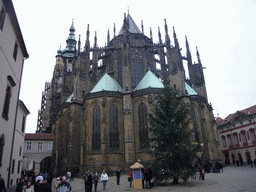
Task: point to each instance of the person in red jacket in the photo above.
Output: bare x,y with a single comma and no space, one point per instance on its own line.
131,176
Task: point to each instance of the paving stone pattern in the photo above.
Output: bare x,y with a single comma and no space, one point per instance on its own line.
238,179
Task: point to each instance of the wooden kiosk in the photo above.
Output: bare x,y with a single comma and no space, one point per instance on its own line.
137,175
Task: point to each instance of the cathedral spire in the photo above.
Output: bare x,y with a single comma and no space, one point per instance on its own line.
176,43
71,41
142,28
159,36
198,56
79,44
114,29
189,58
87,42
167,39
95,40
151,36
108,38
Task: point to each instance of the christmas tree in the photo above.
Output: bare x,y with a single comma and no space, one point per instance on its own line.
174,154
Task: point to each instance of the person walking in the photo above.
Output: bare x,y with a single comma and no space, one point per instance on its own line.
57,182
64,186
118,174
20,185
147,178
28,187
2,184
104,179
85,178
95,180
69,176
131,177
45,186
90,182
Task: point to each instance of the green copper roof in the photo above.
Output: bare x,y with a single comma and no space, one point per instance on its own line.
70,97
133,28
149,80
190,90
106,83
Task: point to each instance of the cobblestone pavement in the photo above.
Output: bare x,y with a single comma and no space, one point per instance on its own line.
239,179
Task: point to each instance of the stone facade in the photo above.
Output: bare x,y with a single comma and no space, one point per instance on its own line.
237,136
99,99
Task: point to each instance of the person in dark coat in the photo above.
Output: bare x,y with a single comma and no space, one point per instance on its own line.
95,180
147,178
90,181
20,185
37,186
2,184
45,186
118,174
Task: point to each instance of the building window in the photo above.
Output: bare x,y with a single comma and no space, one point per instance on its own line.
229,140
113,127
2,17
244,139
235,138
96,130
224,143
29,145
18,169
23,124
15,51
50,145
20,151
13,165
39,145
7,100
143,125
196,135
252,131
2,142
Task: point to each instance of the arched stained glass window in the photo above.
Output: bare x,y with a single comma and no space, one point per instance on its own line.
143,125
113,127
96,130
196,134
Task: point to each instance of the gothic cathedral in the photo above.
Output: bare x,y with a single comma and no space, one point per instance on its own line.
98,100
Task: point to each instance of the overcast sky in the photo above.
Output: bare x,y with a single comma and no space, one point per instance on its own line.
223,31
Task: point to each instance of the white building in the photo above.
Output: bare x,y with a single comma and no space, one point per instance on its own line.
38,152
237,136
12,55
18,146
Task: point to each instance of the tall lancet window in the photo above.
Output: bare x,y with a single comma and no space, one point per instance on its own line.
143,125
195,130
113,127
96,130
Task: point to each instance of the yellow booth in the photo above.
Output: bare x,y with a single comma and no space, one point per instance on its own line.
137,175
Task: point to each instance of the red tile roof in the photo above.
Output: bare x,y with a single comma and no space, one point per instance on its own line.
218,120
38,136
248,111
